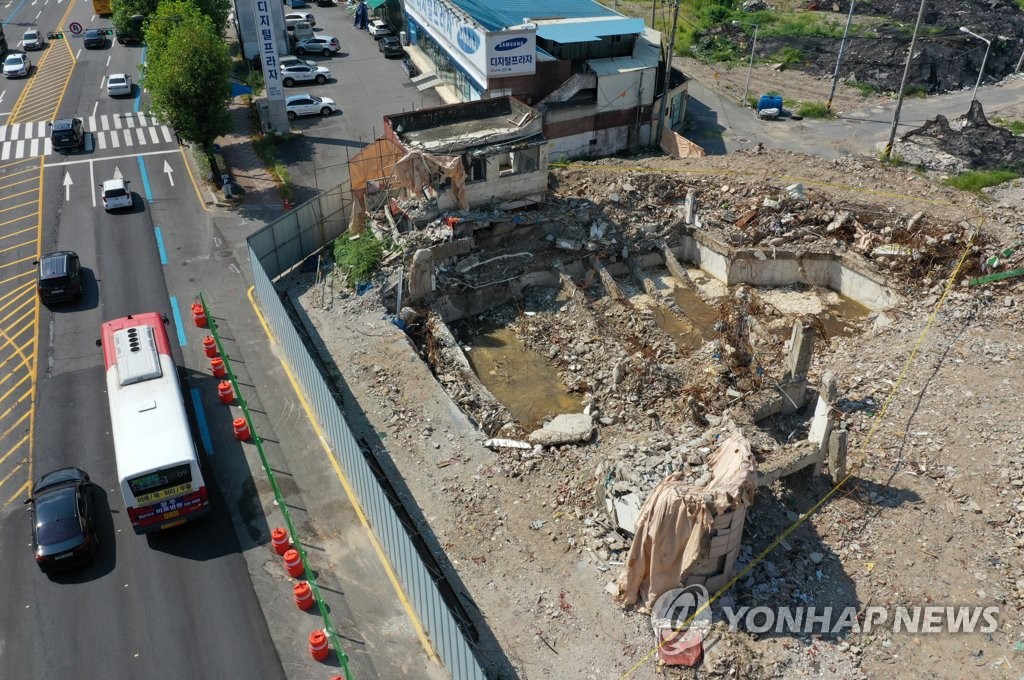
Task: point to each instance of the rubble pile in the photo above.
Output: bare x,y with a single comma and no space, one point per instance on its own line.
966,143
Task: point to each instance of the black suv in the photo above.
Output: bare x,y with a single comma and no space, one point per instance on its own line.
60,277
67,134
391,46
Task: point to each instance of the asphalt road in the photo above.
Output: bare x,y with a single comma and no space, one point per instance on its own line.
177,604
720,125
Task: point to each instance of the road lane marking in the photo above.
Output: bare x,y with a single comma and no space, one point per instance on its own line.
160,245
6,152
92,182
145,180
113,158
19,148
182,340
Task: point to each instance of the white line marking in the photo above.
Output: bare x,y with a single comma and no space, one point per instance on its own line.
39,12
92,120
67,186
163,128
153,135
114,141
41,130
3,133
128,138
15,129
92,182
33,148
108,61
103,122
78,54
101,139
103,81
47,146
141,132
19,148
112,158
117,122
130,120
6,152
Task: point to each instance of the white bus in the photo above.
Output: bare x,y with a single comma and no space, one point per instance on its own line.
157,464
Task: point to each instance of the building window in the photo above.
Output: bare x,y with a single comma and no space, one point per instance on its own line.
477,170
518,162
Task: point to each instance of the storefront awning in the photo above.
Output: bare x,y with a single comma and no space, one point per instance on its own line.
374,4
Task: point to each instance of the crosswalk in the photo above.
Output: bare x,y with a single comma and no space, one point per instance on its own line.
108,131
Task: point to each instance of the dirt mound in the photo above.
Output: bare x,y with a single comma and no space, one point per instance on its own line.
944,58
970,143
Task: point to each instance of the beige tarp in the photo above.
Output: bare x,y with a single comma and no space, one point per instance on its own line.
374,162
677,146
673,531
416,168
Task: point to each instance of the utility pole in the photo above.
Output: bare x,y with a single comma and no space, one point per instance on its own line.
668,73
839,59
903,86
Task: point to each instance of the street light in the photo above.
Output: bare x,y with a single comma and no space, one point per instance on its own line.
981,71
750,66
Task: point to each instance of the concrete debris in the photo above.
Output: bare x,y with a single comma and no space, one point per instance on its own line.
507,444
565,428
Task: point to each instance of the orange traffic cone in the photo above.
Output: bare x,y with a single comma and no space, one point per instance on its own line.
279,539
293,563
241,429
224,391
318,645
303,595
198,315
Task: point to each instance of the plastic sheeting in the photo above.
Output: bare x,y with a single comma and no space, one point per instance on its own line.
673,531
417,168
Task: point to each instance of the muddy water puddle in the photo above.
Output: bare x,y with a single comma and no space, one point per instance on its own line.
519,377
842,317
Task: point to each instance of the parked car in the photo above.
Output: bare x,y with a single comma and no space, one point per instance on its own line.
308,105
391,46
117,193
63,519
119,84
322,44
325,3
289,60
17,65
59,277
304,73
301,31
67,134
32,40
94,39
293,18
378,28
295,4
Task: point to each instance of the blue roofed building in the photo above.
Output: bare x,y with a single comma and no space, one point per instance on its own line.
593,74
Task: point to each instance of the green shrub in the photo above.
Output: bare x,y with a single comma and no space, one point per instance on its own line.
358,256
202,163
816,110
977,180
915,90
788,56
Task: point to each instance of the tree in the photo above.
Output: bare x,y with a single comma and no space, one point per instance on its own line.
125,10
187,72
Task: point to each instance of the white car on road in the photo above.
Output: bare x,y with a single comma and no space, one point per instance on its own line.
117,193
304,73
308,105
119,84
16,65
32,40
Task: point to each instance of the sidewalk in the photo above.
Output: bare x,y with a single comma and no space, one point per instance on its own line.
372,620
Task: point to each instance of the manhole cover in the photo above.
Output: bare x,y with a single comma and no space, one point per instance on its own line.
742,140
223,255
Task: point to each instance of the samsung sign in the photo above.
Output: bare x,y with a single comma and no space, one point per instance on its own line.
483,55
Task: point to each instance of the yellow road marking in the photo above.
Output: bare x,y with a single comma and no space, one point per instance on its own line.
23,489
417,626
20,231
9,431
20,205
16,276
195,185
15,291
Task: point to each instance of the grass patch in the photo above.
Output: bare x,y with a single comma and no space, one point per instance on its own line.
1014,126
266,149
816,110
916,91
788,56
202,163
977,180
865,89
894,159
358,256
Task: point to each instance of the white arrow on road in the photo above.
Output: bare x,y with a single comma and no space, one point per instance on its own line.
169,171
117,173
67,186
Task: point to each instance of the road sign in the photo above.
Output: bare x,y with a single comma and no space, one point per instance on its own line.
75,28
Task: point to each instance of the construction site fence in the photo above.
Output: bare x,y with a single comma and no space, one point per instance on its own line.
274,250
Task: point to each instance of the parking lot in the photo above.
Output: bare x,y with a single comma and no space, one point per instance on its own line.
364,85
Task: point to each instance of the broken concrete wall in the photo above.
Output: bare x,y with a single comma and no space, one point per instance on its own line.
498,187
690,534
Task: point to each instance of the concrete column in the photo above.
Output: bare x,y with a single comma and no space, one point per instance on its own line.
690,206
609,282
421,275
801,351
837,445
